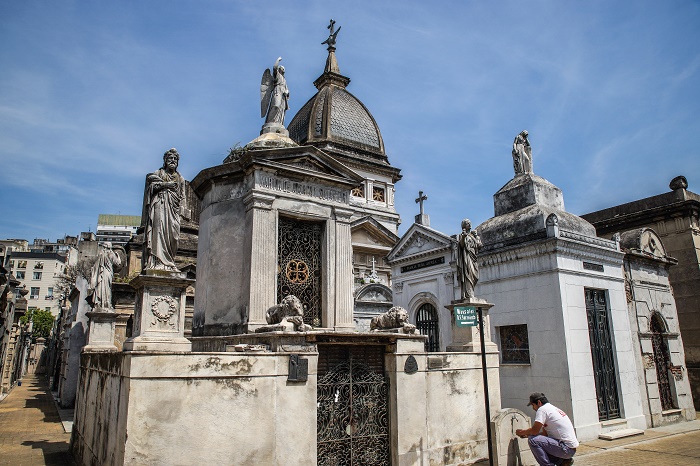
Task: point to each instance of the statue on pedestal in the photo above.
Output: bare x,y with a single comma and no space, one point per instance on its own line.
468,268
274,95
163,203
101,276
522,154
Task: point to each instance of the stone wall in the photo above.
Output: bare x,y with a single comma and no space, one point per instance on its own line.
239,407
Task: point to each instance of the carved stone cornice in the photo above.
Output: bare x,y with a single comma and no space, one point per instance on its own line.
562,246
258,200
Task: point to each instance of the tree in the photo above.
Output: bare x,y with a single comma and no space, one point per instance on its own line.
43,322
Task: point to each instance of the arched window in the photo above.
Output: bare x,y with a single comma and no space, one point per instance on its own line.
427,324
662,361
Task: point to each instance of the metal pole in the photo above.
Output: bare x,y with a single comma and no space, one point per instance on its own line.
486,385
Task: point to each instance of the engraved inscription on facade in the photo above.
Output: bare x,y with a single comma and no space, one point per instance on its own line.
273,183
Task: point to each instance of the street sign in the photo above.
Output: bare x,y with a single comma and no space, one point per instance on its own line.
465,316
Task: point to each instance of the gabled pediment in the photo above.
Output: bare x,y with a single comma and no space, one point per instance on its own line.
419,240
368,232
304,161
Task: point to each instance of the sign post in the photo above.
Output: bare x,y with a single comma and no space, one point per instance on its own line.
470,316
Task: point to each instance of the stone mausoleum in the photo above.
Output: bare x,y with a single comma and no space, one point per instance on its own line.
305,212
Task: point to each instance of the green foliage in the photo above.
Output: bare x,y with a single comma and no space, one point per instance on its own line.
43,322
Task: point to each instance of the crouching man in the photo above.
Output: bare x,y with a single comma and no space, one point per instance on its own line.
552,438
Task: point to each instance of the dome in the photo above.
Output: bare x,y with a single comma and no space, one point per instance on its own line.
336,116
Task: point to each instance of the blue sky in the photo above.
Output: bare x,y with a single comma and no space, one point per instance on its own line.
93,93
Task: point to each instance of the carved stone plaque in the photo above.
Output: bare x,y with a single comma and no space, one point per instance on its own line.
298,369
411,365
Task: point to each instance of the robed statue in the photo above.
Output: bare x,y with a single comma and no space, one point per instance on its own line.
522,154
468,268
163,204
274,94
101,276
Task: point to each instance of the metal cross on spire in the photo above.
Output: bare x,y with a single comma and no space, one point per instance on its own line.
421,198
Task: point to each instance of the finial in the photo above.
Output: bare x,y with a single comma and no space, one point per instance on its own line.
331,62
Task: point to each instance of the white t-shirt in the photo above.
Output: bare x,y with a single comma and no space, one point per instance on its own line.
557,424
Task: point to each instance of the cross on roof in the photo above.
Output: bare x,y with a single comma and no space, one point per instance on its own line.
420,200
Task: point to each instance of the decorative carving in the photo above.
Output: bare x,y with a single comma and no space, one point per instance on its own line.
679,182
289,311
522,154
396,317
398,286
648,361
552,220
677,372
449,278
163,308
469,245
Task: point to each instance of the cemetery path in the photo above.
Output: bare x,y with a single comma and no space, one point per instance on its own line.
31,432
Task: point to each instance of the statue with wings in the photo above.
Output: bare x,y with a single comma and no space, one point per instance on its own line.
274,94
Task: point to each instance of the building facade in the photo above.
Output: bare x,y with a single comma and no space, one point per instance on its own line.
674,216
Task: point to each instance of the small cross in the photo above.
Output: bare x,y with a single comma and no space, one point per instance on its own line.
420,200
373,262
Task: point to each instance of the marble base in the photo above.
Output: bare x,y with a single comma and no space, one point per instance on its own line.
101,331
159,315
467,339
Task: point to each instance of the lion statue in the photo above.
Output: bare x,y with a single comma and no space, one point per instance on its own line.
289,313
396,317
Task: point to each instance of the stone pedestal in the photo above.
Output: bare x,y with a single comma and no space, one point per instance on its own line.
467,339
159,314
101,330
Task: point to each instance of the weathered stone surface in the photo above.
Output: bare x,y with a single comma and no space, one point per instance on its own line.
509,449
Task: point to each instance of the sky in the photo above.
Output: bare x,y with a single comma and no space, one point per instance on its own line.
93,93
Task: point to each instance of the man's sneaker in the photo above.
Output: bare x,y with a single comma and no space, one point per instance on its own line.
568,462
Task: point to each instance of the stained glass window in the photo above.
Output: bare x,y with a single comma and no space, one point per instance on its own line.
515,348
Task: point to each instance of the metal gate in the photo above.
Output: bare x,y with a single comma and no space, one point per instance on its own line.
299,265
662,363
602,354
427,324
352,413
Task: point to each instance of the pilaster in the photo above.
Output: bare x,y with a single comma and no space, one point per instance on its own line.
343,274
263,254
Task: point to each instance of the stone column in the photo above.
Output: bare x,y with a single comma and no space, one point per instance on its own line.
343,271
101,331
263,255
159,315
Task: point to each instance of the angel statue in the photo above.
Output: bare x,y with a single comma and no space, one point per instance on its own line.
274,95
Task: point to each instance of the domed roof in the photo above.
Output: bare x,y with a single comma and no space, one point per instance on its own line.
334,115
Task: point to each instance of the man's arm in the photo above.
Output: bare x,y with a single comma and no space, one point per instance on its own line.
534,430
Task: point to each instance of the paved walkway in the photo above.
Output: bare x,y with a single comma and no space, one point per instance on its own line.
31,432
677,444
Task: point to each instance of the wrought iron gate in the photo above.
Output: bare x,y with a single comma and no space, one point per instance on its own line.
602,353
662,362
299,265
352,399
427,324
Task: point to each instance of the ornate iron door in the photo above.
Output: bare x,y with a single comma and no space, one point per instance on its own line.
352,414
299,265
602,353
427,324
662,362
